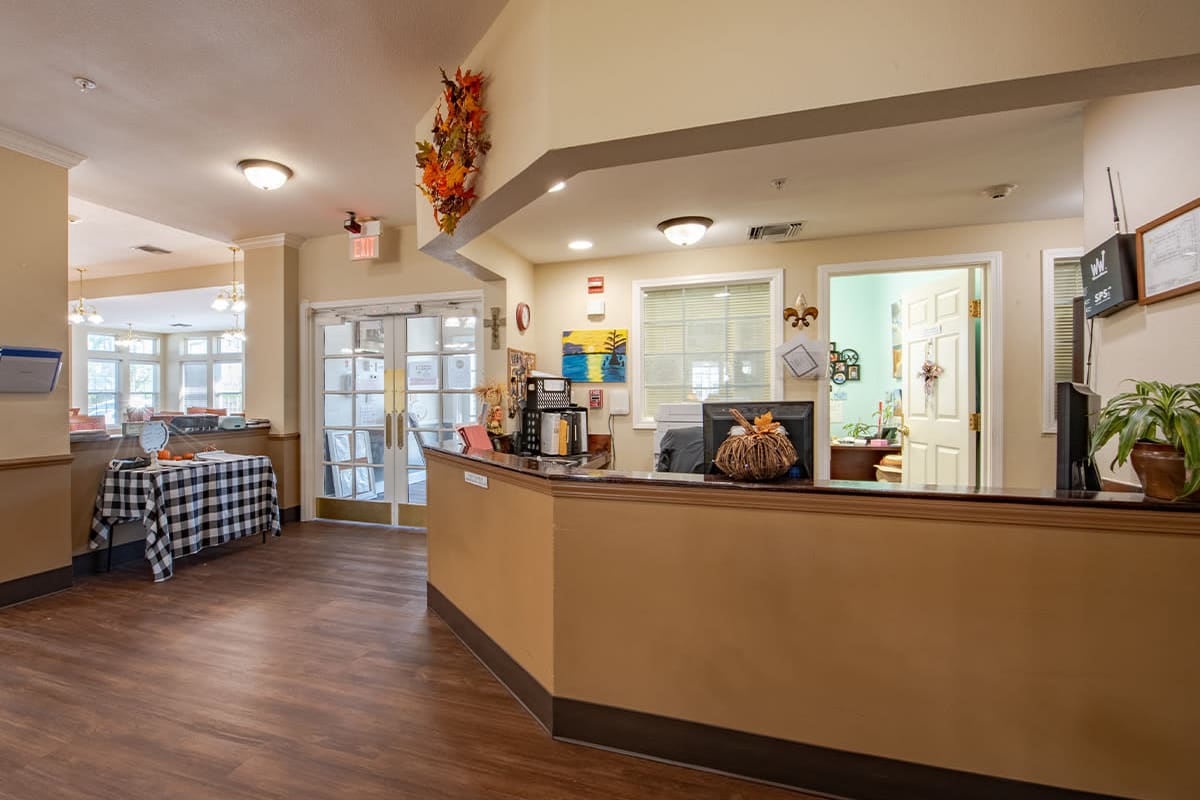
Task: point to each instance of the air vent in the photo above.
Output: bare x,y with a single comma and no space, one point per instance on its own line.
152,250
778,232
181,324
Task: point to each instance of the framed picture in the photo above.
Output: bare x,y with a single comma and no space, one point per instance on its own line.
839,368
897,361
520,364
852,372
1168,254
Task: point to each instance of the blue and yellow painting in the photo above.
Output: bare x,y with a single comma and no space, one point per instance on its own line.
594,356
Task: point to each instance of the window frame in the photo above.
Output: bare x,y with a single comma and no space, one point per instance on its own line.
124,358
118,369
1049,256
210,359
642,419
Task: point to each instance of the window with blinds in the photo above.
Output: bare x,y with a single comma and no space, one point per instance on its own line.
1068,284
705,342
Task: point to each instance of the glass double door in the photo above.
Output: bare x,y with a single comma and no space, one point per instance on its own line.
389,385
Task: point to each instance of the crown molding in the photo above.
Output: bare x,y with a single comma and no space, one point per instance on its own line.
271,240
30,146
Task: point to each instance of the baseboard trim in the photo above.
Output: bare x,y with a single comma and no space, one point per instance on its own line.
32,586
808,768
523,686
287,515
94,561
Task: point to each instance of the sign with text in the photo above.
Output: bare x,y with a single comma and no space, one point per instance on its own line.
1109,282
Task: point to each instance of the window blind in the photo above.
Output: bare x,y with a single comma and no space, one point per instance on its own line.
1068,284
706,342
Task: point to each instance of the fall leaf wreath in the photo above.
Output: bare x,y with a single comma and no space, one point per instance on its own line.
449,164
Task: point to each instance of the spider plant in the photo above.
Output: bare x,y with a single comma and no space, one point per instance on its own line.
1157,412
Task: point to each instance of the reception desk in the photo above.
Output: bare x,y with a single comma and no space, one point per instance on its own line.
852,639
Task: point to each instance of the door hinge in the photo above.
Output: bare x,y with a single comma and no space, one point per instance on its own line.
975,423
975,307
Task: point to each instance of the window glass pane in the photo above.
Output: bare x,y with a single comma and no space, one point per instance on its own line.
102,376
339,410
143,378
102,342
339,339
144,346
339,375
422,372
423,410
459,409
229,345
368,374
227,385
423,334
459,371
195,346
194,389
458,334
368,410
370,336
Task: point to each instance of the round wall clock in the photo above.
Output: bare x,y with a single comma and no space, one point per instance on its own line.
523,315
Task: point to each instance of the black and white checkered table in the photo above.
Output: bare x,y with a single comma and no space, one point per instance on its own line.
188,508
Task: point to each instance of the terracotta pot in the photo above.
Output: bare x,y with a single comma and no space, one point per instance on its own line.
1161,471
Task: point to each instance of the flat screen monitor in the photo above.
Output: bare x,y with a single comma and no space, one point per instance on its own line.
796,416
1077,409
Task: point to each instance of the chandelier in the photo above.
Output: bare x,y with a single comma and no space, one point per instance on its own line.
234,298
127,339
83,312
235,334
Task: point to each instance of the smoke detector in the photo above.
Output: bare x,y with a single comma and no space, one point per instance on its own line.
775,232
999,191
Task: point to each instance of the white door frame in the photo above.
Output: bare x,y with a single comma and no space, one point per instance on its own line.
992,366
309,400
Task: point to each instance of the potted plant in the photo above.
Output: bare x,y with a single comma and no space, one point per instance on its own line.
1157,425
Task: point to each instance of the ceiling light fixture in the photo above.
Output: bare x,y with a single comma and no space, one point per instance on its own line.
558,187
81,312
237,333
234,298
126,340
266,175
685,230
580,244
72,219
85,84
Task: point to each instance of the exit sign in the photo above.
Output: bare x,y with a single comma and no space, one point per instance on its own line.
365,246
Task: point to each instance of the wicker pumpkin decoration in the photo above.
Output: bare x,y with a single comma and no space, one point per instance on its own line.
762,452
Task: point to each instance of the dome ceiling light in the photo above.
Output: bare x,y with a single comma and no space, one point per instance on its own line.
263,174
684,231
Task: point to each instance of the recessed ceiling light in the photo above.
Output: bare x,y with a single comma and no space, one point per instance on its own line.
72,219
580,244
685,230
558,187
264,174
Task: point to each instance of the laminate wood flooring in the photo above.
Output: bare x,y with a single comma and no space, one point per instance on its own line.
305,668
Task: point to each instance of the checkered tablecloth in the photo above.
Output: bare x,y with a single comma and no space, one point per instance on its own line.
186,509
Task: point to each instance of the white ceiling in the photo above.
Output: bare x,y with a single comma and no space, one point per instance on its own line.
910,177
103,241
155,312
187,89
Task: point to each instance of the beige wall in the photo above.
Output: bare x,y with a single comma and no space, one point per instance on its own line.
1029,455
34,498
1149,141
272,336
215,276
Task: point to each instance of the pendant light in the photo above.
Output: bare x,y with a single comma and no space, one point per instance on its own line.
127,340
234,298
237,333
82,312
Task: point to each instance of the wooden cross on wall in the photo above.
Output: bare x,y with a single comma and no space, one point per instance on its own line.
495,323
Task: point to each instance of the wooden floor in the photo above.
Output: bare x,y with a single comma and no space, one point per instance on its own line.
305,668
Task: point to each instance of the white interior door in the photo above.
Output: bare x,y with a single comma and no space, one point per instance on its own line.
388,384
940,448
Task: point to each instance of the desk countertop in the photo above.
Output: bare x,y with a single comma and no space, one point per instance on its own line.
556,471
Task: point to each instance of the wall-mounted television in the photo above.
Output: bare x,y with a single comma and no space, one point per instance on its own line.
796,417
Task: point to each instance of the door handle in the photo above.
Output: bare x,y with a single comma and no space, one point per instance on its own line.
387,430
400,428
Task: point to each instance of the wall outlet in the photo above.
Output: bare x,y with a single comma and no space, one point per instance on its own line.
618,401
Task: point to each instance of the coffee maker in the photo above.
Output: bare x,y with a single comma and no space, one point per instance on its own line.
550,424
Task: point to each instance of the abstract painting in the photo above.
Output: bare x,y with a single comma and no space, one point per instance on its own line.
595,356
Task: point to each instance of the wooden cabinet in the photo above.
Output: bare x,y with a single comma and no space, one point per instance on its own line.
856,462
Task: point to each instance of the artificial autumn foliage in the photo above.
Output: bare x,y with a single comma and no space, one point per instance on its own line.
448,164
